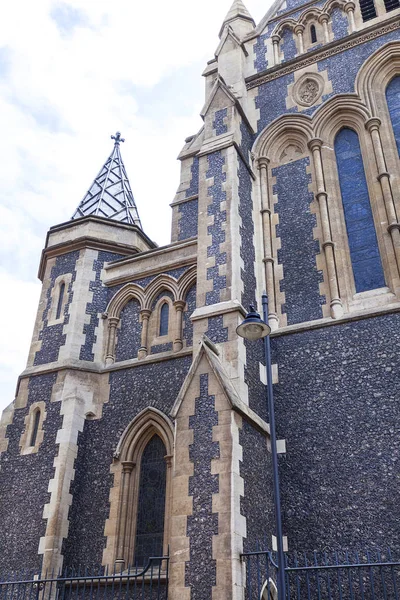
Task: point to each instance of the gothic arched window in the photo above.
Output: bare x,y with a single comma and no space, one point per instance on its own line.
61,293
164,319
393,102
363,243
368,10
313,34
35,427
151,502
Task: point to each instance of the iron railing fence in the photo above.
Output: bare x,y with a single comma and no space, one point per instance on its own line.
133,583
338,576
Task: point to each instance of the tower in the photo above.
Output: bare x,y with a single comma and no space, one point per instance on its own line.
136,367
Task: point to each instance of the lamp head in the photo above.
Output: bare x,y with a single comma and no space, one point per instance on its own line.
253,327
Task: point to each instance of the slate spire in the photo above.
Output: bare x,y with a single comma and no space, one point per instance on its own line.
110,194
237,11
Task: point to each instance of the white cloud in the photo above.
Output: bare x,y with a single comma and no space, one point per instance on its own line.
72,73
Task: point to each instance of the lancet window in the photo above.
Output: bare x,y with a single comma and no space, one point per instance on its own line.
164,319
35,427
362,239
313,34
60,302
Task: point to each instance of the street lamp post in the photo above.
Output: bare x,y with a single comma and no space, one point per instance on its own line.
254,328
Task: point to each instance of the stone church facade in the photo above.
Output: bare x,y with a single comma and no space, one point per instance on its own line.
139,425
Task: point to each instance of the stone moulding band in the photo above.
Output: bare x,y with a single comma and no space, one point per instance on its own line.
358,38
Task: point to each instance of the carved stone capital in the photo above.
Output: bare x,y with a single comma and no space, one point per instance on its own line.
263,162
373,123
299,28
323,18
145,313
276,39
315,144
349,6
179,304
128,466
113,322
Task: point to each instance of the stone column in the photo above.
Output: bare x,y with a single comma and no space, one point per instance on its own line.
299,30
266,212
275,43
143,350
178,342
373,126
323,19
126,501
327,243
112,329
349,9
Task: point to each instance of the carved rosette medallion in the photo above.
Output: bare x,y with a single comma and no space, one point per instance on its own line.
308,89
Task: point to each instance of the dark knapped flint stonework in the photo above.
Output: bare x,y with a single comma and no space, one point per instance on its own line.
216,331
129,333
289,49
216,162
298,251
193,188
24,484
202,525
340,23
131,391
254,350
98,304
256,505
342,71
188,223
337,406
52,336
187,324
219,123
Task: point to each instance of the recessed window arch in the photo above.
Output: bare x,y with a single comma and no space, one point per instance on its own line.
60,302
142,491
313,34
362,239
164,319
393,102
35,427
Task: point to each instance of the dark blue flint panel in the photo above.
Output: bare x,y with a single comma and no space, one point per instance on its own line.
363,244
393,101
298,251
129,335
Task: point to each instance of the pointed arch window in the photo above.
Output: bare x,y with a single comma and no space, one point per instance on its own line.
313,34
60,302
363,243
164,319
151,502
35,428
393,102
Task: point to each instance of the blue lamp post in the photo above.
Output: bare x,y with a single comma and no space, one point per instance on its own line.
254,328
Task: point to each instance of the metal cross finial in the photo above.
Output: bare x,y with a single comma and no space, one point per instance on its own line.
117,137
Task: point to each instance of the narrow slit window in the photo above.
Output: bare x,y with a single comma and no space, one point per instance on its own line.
36,421
391,5
313,33
164,319
60,300
368,10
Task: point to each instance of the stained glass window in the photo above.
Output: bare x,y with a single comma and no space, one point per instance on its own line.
363,243
164,318
151,502
36,420
60,300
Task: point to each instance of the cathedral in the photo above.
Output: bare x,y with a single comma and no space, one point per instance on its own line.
140,429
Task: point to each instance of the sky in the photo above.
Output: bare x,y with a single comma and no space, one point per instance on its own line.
71,74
